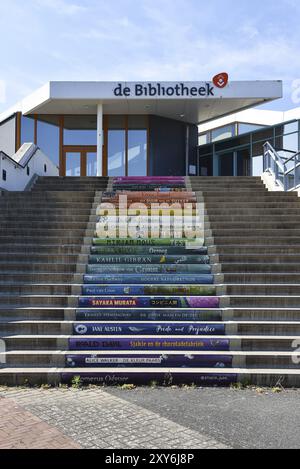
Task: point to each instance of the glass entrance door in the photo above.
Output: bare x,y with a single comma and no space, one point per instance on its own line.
73,164
80,161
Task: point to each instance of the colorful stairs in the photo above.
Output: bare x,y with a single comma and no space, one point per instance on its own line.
143,310
150,299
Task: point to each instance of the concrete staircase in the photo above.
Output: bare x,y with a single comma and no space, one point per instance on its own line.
72,304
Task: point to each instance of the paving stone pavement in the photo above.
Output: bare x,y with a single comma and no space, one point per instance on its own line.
92,418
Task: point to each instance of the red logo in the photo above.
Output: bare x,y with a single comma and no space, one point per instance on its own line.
221,80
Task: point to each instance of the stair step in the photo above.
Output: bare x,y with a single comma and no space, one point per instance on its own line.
111,376
102,360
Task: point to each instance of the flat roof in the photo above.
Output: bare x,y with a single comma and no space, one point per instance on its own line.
255,117
193,102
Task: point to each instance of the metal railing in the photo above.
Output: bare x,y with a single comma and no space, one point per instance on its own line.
284,169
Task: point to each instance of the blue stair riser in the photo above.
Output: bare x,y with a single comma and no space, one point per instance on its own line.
149,329
151,361
159,279
149,302
126,259
119,378
148,269
155,343
148,315
146,290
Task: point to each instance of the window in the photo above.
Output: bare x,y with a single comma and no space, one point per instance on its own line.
48,137
116,150
287,128
4,175
202,139
28,171
288,142
247,128
137,152
222,133
80,130
27,129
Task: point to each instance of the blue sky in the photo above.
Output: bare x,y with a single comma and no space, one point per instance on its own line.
44,40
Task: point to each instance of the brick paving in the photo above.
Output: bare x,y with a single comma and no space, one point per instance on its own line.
20,429
89,418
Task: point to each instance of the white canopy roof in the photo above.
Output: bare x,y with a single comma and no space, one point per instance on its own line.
193,102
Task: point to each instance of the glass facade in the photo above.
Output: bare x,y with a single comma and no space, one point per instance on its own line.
137,152
91,164
116,153
125,137
243,154
48,137
223,133
27,129
73,164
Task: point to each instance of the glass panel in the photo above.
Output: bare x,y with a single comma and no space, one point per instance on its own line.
226,165
202,139
206,166
257,166
91,164
243,162
48,140
233,143
27,130
288,142
116,153
222,133
246,128
73,164
137,152
80,130
287,128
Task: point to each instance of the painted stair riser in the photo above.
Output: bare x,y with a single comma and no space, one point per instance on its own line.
159,379
147,250
149,302
148,315
143,344
169,269
146,290
44,343
146,360
54,360
149,329
149,242
149,259
159,279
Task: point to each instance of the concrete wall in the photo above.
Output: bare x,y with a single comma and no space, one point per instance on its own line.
8,136
168,146
17,178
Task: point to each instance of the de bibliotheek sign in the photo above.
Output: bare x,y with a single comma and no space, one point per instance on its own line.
169,90
158,90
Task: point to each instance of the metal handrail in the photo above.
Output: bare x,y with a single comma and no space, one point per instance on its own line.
277,166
